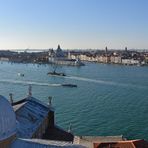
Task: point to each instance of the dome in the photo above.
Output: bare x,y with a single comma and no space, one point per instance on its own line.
7,119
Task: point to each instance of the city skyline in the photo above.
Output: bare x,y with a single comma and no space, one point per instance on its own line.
73,24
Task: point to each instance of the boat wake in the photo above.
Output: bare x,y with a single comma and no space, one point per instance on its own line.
112,83
29,83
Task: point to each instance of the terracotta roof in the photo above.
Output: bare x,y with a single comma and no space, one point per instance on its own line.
123,144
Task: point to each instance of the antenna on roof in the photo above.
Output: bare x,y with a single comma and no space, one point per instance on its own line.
11,98
30,91
70,128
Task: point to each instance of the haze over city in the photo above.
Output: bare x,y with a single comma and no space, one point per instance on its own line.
73,24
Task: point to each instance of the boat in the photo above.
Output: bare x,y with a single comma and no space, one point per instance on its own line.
69,85
21,74
56,73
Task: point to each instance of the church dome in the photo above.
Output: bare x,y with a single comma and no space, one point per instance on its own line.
7,119
59,52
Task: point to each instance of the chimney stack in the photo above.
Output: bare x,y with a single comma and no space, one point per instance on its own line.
50,99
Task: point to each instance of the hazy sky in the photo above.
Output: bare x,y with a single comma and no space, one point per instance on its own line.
73,23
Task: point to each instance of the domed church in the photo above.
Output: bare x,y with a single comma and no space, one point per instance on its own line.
15,125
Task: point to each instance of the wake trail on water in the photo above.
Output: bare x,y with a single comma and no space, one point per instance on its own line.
112,83
28,83
77,78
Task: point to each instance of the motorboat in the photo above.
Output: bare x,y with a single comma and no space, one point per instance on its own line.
21,74
69,85
56,73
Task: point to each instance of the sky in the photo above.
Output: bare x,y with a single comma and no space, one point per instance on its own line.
74,24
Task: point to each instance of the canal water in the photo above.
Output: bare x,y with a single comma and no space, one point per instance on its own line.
109,99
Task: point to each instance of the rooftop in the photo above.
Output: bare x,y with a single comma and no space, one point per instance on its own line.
38,143
123,144
29,115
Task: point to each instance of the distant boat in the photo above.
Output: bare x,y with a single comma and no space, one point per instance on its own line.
56,73
21,74
69,85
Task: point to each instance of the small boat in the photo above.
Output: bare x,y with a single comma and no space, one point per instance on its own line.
69,85
21,74
56,74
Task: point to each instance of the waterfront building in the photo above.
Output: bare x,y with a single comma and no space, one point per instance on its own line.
60,58
73,56
89,58
83,57
104,59
145,59
4,59
130,62
115,59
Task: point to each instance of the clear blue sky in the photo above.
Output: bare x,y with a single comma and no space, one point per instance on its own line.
73,23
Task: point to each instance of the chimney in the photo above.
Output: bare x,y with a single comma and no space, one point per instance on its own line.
50,98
